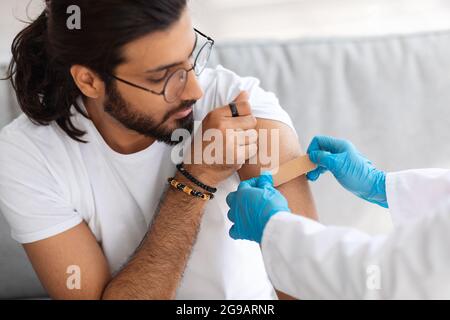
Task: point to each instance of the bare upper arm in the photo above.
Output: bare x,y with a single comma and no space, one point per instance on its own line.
71,251
297,191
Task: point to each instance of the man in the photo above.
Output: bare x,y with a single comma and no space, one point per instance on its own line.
83,176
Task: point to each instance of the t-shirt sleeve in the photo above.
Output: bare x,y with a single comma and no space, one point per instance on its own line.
222,86
31,200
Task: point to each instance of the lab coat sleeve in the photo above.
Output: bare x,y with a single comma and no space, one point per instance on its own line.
308,260
412,193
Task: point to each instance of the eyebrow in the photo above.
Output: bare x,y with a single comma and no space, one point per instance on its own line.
168,66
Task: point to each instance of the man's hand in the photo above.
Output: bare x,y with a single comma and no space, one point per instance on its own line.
252,206
239,143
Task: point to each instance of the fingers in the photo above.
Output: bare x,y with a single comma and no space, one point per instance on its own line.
315,174
243,96
245,152
257,182
243,122
265,180
234,232
330,144
243,107
246,136
324,159
250,183
230,199
241,137
241,145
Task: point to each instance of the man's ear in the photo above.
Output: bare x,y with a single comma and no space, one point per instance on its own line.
89,82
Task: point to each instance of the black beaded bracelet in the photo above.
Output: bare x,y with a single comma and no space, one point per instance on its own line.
191,178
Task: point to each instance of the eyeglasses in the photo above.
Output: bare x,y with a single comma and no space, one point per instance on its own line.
177,81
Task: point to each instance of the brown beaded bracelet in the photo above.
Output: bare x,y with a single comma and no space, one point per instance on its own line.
188,190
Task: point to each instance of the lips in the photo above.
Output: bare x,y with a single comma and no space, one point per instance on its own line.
183,114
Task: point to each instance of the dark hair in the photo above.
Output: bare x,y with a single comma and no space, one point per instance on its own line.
43,52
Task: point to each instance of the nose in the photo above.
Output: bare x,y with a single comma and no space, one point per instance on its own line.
193,90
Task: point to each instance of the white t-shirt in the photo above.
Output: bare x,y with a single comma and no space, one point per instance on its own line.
50,183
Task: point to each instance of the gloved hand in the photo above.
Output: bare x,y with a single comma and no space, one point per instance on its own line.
252,206
354,172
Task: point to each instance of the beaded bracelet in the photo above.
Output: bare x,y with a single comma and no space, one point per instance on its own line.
191,178
188,190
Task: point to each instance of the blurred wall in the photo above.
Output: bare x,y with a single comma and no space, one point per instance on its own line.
11,12
231,19
241,19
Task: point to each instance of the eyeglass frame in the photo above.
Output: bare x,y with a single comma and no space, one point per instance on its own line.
163,92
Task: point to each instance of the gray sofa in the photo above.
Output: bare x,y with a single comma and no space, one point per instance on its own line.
389,95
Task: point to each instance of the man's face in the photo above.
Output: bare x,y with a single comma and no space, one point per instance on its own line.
149,62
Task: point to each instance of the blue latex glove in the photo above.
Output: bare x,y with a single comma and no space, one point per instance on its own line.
252,206
354,172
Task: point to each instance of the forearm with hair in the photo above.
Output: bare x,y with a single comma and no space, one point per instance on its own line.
157,267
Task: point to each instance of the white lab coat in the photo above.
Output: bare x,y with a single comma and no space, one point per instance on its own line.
308,260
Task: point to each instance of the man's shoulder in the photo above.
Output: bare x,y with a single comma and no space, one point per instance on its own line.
224,82
24,141
221,86
22,130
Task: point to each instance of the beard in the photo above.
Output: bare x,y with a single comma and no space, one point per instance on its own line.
120,110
